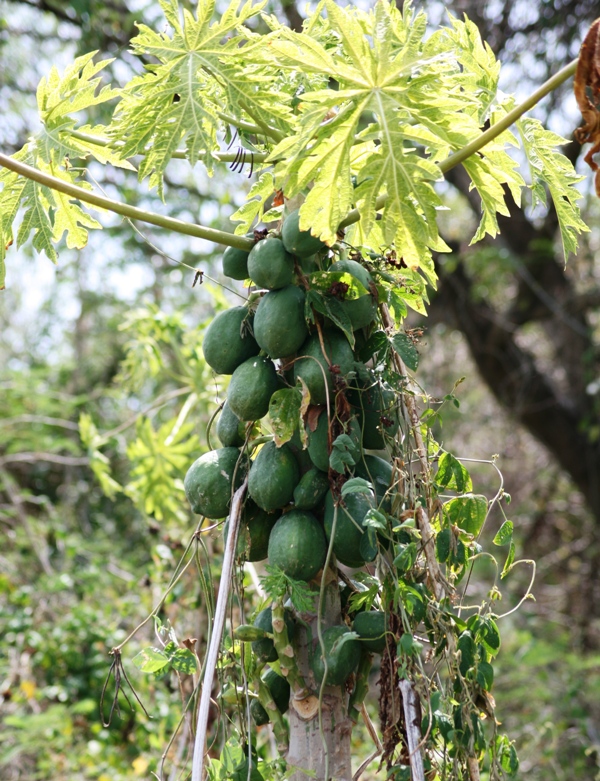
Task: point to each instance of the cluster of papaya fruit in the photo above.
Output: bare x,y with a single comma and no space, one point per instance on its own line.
298,502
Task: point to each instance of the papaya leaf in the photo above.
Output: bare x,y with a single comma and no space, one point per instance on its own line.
199,68
552,170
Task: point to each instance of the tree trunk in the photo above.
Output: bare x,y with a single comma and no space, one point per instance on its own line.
307,750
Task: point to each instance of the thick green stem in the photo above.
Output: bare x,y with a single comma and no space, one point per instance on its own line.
488,135
132,212
361,687
285,651
179,154
279,728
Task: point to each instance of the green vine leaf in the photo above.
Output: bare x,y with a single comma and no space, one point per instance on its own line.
467,512
452,474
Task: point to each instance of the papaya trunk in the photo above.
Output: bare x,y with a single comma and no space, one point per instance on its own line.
330,761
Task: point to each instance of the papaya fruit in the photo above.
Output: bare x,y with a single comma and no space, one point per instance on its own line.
313,368
349,529
210,480
379,473
279,323
362,310
297,545
258,713
228,342
318,441
280,692
251,387
311,490
235,263
279,688
377,409
269,265
371,626
264,649
254,531
230,429
342,654
273,476
298,242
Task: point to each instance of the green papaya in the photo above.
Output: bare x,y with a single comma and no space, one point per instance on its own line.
230,429
311,490
273,476
362,311
318,441
254,531
312,367
342,654
264,649
349,528
297,545
379,473
377,407
269,265
279,324
228,341
251,387
210,480
235,263
298,242
371,626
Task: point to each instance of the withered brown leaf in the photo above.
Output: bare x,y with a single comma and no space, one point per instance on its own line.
587,94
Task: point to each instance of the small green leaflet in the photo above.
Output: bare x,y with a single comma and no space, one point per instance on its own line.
99,463
156,660
504,536
356,485
344,452
284,412
159,457
406,349
452,474
467,512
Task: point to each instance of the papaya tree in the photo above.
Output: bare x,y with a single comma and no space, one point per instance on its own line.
327,483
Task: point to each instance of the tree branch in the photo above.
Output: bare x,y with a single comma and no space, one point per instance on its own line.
512,376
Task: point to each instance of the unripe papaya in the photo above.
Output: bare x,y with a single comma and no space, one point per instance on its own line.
251,387
279,324
228,341
269,265
299,243
313,368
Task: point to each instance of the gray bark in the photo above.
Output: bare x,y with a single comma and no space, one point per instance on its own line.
306,743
